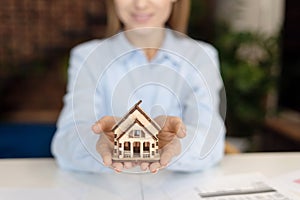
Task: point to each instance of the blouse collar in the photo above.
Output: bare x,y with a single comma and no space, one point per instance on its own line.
168,50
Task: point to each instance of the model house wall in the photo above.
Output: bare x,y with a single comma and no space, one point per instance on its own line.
136,137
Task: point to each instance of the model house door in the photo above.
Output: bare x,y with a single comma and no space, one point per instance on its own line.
136,149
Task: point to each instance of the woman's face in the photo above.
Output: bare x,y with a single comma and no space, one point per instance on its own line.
143,13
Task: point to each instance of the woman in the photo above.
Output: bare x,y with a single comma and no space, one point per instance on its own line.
177,79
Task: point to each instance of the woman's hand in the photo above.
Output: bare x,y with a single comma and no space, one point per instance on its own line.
105,143
172,128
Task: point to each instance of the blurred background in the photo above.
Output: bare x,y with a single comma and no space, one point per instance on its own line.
257,40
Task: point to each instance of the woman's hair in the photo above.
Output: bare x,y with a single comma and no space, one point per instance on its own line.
177,21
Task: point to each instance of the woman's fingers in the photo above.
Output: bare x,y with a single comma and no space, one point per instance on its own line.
144,166
128,165
104,148
169,151
117,166
181,133
173,128
154,167
172,124
105,124
176,125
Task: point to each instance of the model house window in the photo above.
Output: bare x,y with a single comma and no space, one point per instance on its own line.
146,155
126,146
137,133
126,155
146,146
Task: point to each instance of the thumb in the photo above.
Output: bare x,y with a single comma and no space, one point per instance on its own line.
105,124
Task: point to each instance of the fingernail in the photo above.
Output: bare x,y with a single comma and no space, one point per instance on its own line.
117,170
154,171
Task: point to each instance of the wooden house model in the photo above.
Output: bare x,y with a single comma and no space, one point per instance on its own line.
136,137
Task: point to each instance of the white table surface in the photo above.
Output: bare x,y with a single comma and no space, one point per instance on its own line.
44,173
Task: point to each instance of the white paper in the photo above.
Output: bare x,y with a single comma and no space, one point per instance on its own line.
242,186
290,182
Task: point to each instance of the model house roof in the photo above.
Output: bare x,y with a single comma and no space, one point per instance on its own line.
142,126
137,116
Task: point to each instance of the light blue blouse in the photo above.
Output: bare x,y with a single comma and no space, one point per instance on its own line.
107,77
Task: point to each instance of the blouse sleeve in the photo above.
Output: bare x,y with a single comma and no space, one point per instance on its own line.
203,146
70,146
